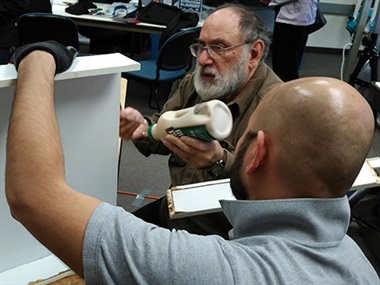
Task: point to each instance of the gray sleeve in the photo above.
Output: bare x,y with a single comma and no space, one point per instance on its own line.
119,248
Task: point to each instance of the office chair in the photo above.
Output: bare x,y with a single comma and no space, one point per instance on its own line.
172,63
35,27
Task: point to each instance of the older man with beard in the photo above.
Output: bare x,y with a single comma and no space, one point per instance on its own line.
230,53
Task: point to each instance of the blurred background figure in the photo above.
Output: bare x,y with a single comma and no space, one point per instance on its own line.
293,19
10,10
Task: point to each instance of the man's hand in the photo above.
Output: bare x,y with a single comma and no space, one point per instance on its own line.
63,56
132,124
197,153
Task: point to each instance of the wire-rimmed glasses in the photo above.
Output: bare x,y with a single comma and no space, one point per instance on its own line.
214,51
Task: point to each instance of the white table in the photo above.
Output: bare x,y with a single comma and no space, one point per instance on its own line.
87,104
185,201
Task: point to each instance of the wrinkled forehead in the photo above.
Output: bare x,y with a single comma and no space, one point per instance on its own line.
222,25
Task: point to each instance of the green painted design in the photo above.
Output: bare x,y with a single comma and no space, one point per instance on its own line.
199,132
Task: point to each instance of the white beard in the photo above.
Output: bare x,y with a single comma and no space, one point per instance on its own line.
223,85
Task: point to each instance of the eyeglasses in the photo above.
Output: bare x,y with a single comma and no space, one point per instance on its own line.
214,51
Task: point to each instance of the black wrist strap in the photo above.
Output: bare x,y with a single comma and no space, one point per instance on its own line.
63,56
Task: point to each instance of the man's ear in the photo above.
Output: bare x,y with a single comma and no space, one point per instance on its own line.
257,50
260,152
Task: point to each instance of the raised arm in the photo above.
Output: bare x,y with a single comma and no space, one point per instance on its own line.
36,189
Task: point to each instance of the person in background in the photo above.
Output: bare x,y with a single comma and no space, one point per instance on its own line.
294,163
293,19
230,52
10,10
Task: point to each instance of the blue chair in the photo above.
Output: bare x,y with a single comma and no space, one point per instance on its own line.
172,63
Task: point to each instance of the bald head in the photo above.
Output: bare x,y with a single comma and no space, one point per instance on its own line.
319,130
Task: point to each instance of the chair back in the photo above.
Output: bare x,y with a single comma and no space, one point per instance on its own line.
174,54
35,27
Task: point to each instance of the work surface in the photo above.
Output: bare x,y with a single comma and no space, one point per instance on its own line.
105,22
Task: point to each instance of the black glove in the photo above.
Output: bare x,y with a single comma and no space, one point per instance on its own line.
80,8
63,56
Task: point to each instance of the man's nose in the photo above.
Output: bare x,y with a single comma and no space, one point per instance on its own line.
204,57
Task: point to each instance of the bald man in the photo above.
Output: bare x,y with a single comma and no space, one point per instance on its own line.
296,159
313,140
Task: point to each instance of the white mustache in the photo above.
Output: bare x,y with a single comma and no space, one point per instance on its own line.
208,69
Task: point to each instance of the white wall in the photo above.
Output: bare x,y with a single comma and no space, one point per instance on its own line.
87,104
334,34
